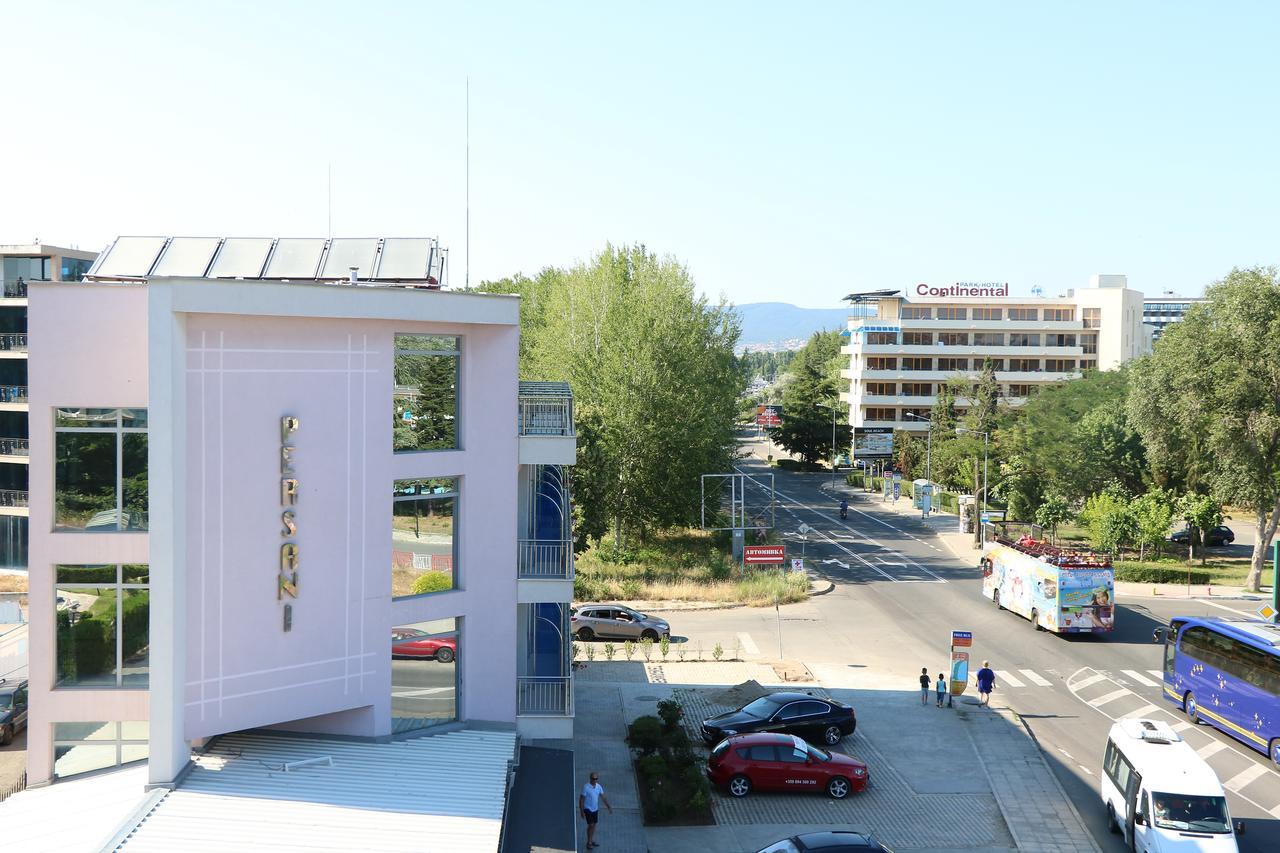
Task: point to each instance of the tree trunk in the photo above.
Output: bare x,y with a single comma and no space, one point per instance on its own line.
1264,530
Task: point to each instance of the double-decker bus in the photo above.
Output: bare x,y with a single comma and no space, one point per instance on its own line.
1067,591
1226,672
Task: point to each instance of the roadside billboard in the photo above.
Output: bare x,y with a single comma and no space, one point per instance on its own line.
765,555
769,415
872,442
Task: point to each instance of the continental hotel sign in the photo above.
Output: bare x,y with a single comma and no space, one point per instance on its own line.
965,288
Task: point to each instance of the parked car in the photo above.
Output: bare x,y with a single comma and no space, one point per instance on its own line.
820,720
836,841
776,762
13,709
412,643
1220,535
590,621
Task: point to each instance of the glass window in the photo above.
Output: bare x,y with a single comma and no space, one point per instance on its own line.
1091,318
425,405
1024,313
1024,339
85,747
953,339
101,469
424,677
1059,340
883,389
880,363
987,313
916,339
988,339
102,619
917,364
28,269
1024,365
916,312
1059,365
953,364
882,338
1060,314
880,414
952,313
423,537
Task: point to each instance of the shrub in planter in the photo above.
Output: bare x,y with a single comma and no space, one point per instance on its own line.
646,734
652,767
670,712
1160,574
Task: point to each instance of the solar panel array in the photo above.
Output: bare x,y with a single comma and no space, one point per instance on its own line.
408,260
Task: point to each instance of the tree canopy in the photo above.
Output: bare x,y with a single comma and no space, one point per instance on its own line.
810,401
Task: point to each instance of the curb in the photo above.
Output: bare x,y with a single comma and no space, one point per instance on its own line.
1049,770
816,588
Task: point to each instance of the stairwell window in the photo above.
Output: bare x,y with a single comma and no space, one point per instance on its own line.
100,459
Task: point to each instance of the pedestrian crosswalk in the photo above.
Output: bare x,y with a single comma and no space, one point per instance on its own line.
1029,678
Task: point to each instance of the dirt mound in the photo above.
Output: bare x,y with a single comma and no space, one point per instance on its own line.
739,694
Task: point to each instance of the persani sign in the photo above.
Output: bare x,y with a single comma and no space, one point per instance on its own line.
965,288
287,577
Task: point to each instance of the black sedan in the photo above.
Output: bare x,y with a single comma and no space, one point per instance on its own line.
811,717
1220,535
837,841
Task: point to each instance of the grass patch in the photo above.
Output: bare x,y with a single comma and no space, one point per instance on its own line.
684,565
13,583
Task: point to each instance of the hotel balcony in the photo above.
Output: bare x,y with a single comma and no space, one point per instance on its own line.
1016,376
993,325
545,560
15,292
13,502
544,421
971,351
13,398
544,550
544,671
544,695
13,345
15,450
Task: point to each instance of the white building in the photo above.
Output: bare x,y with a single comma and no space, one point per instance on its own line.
900,350
1159,311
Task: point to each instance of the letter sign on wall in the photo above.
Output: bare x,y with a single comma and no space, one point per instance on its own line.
287,570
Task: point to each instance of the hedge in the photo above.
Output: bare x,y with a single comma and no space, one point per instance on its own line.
1157,574
945,501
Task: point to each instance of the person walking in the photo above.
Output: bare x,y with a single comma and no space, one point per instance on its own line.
941,687
986,683
924,685
589,803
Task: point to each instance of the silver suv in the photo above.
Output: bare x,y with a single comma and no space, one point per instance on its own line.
590,621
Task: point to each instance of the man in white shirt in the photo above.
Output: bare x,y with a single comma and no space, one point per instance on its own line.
589,803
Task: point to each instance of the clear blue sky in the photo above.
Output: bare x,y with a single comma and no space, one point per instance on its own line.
788,152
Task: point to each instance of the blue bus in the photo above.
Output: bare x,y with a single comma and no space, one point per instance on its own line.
1226,672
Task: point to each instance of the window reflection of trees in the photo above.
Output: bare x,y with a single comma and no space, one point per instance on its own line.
425,408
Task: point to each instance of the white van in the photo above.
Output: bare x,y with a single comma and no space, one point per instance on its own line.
1162,795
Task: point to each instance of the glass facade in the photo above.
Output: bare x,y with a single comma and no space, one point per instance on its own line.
102,626
423,536
100,483
74,269
425,405
28,269
424,674
85,747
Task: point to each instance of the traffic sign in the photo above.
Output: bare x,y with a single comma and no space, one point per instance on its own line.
759,555
985,517
1267,612
804,529
797,564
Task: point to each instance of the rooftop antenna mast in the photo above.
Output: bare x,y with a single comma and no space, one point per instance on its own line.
330,199
467,276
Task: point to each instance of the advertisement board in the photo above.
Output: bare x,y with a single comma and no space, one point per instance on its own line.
872,442
769,416
761,555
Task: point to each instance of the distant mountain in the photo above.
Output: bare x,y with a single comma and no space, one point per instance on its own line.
779,323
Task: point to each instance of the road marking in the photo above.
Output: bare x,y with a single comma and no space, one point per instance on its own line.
1182,726
1157,674
1012,679
1085,769
1109,697
1067,754
1139,677
748,644
1210,748
1035,677
1144,711
1244,777
1093,679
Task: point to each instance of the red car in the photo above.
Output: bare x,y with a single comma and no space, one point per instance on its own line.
776,762
415,644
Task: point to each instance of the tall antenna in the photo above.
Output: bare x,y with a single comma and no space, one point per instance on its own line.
330,199
467,275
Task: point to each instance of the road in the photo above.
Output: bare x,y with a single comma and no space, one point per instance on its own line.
899,593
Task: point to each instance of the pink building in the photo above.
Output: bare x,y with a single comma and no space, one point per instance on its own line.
287,484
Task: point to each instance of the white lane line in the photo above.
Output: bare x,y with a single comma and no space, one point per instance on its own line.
1139,677
1067,754
1085,769
1210,748
1144,711
748,644
1036,678
1244,777
1109,697
1158,675
1009,678
1086,682
1182,726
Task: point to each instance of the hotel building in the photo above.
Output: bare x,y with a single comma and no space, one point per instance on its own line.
901,349
1159,312
289,485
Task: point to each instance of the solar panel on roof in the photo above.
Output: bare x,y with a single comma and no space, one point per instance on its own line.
348,252
295,257
405,257
129,257
186,256
241,257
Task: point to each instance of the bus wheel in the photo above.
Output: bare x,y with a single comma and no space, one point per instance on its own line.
1189,705
995,598
1035,619
1113,826
1275,751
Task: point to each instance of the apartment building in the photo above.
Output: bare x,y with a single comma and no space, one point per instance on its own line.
22,263
288,484
901,349
1158,312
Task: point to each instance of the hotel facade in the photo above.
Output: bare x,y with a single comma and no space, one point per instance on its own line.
288,484
901,349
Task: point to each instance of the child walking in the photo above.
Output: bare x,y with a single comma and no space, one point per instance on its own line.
924,685
941,687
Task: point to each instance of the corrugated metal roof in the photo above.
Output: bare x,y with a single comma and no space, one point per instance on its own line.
441,793
72,816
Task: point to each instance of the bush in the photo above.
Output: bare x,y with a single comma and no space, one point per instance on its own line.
670,711
432,582
1158,574
652,766
645,734
632,589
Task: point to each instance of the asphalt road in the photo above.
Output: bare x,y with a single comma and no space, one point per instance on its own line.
899,593
423,688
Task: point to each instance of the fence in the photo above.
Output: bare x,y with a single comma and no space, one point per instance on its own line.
13,342
15,447
544,695
12,497
546,559
15,289
19,784
13,393
545,414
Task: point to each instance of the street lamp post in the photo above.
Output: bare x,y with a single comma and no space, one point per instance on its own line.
833,443
928,461
986,436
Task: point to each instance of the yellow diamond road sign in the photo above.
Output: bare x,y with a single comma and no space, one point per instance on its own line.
1266,611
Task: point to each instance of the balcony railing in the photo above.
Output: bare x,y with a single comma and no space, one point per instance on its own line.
545,559
13,393
545,408
13,497
17,343
15,289
15,447
544,696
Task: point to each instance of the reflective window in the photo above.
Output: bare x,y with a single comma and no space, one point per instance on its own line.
101,469
28,269
916,339
916,312
425,405
423,536
953,339
951,312
102,619
424,678
987,313
85,747
74,269
1024,313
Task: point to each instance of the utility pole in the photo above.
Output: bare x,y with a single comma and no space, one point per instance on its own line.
986,437
928,463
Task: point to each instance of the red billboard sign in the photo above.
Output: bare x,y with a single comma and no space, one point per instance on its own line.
761,555
769,416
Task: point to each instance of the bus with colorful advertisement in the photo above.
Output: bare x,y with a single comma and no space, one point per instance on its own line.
1066,591
1225,671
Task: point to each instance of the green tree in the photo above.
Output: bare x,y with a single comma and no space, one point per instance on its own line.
810,404
986,399
1201,513
1054,511
1109,520
1152,515
909,454
1216,422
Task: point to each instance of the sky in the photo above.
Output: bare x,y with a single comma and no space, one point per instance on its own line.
787,152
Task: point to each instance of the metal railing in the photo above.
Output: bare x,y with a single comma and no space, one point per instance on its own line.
15,447
544,696
545,559
545,408
15,289
20,784
13,393
13,497
14,342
